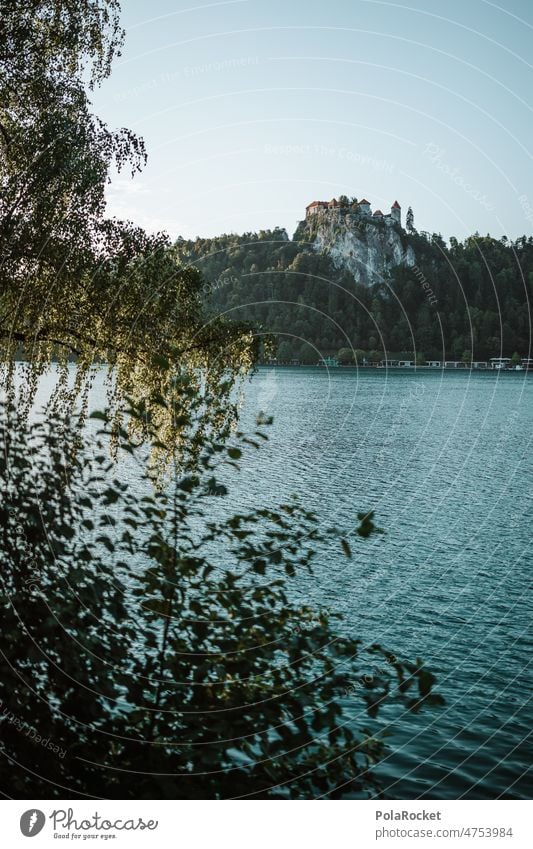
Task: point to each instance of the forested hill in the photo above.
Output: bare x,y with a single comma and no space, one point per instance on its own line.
466,299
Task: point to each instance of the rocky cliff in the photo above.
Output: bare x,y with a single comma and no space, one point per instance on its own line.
368,248
322,290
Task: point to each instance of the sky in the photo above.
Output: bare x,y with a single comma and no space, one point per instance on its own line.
251,109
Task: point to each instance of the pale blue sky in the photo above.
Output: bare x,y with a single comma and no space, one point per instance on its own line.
250,109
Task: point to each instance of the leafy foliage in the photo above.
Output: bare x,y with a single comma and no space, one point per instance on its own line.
73,284
149,648
151,641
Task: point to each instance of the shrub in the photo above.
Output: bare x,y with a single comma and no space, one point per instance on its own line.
154,647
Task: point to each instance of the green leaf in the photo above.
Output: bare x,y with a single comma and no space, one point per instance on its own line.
161,362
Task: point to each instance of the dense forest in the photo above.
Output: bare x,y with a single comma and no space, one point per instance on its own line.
462,300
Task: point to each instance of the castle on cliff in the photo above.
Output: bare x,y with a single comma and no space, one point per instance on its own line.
361,207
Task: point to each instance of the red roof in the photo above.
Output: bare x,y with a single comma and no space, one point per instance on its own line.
378,212
364,201
316,203
396,205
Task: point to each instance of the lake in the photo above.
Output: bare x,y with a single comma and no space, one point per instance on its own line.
444,458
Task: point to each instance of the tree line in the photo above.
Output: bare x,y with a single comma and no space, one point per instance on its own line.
465,299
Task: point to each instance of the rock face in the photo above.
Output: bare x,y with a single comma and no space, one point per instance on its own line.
366,247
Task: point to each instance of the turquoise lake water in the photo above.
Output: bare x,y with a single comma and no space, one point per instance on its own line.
445,461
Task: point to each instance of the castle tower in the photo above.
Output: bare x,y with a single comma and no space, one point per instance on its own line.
396,212
364,206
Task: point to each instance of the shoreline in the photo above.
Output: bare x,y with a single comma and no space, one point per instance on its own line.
407,369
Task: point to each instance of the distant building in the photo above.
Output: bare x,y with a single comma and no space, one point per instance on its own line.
362,207
500,362
396,212
315,206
